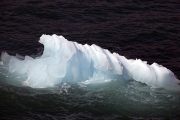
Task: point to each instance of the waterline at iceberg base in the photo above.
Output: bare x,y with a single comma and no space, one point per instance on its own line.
71,62
74,81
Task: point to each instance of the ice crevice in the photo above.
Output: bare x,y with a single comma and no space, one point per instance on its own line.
66,61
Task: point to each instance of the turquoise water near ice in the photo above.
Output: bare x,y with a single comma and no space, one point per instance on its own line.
114,99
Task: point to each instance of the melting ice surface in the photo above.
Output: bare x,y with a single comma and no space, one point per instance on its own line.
66,61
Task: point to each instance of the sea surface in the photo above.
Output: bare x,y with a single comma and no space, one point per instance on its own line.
148,30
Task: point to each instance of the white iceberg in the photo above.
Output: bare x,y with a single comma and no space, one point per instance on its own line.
67,61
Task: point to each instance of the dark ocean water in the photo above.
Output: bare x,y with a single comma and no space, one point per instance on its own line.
148,30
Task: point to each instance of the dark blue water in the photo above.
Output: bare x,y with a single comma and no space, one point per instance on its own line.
148,30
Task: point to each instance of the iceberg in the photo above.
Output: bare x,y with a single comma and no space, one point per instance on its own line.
66,61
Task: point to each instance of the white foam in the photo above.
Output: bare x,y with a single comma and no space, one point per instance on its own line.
67,61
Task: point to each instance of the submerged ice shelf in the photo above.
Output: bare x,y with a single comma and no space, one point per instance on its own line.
67,61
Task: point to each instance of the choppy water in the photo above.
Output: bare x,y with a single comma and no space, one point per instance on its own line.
148,30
